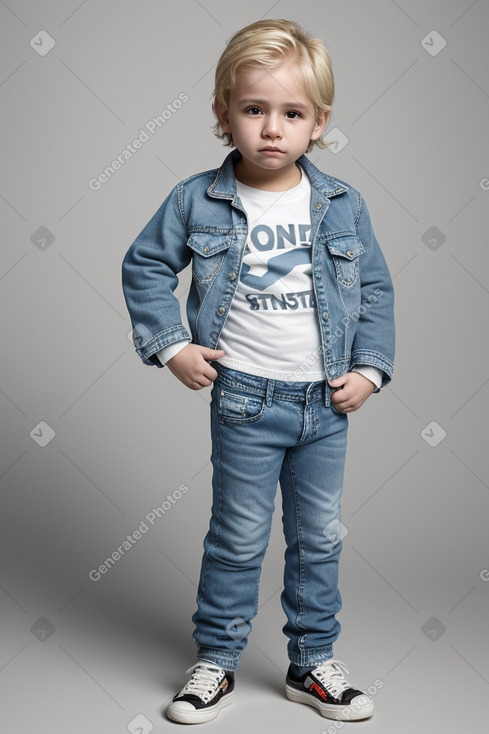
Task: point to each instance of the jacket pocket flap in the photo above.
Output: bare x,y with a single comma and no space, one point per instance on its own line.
349,247
206,244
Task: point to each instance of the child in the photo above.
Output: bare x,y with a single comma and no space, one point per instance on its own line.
291,318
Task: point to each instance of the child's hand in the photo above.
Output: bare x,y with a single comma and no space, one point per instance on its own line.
355,390
191,367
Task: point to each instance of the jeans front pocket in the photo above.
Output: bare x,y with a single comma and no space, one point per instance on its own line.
343,415
335,410
235,406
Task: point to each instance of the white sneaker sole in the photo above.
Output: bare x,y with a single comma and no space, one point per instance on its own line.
198,716
345,713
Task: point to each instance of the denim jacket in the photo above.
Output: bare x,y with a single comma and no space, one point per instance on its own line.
202,221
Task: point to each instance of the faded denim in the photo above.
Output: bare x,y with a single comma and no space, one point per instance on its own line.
263,432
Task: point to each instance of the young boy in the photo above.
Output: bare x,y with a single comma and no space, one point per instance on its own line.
291,319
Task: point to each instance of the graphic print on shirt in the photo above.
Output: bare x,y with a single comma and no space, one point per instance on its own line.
272,328
277,264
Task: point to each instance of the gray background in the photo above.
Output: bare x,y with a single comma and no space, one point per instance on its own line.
78,655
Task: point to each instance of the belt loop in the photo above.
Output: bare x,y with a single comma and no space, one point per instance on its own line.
327,393
269,392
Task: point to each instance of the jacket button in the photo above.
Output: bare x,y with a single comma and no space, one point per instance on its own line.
221,310
325,315
207,249
349,253
319,205
232,276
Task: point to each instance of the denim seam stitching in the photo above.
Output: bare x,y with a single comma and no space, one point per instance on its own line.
261,392
300,586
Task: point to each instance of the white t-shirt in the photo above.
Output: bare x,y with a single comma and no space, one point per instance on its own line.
272,328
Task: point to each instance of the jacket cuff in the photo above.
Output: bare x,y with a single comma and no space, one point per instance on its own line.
374,359
147,349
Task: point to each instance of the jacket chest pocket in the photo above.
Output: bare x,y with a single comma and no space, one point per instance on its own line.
209,251
345,252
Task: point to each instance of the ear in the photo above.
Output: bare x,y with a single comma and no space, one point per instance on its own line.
221,112
321,122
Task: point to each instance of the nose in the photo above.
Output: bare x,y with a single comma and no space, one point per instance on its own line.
272,128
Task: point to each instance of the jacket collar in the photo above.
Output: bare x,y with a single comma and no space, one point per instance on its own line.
224,184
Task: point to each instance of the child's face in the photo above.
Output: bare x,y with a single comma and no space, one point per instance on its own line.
271,120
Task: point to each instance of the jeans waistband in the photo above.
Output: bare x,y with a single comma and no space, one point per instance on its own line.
306,392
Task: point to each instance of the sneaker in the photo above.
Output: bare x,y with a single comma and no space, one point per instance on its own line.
209,689
326,688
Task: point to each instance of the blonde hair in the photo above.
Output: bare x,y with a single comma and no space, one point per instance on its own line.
267,43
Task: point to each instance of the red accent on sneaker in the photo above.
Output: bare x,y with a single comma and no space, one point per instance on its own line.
319,690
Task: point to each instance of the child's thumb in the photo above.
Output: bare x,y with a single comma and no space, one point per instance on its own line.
336,382
213,353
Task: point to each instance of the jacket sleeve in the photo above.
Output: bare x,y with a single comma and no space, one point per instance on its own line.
149,279
374,340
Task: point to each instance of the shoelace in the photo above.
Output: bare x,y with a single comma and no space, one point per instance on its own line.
203,681
330,673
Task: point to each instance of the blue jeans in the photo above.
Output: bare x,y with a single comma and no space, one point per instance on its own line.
264,432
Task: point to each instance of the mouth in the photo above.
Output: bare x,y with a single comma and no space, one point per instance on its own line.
271,149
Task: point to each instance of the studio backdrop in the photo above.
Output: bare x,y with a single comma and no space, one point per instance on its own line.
104,462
